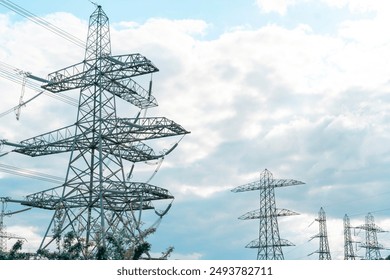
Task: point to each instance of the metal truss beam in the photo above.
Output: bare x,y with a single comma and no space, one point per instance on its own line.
116,196
256,244
123,139
273,183
116,73
257,214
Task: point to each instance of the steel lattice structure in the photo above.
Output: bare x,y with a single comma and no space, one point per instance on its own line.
269,243
323,252
349,253
371,244
4,235
96,200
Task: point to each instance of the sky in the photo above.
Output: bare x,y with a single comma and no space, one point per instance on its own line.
298,87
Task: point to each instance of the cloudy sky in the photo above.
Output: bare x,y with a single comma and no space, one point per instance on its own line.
299,87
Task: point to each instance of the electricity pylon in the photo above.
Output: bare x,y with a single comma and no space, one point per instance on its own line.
4,235
349,253
269,243
96,201
372,246
323,251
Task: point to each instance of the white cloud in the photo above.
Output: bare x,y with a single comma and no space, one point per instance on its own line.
354,6
360,6
28,234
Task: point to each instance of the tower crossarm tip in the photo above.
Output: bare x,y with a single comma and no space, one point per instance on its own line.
247,187
147,128
68,78
130,91
57,141
129,65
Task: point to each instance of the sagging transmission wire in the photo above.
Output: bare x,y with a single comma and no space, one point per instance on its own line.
30,174
20,105
42,22
15,75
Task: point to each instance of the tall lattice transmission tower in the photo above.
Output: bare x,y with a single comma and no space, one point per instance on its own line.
97,201
269,243
371,243
323,251
349,252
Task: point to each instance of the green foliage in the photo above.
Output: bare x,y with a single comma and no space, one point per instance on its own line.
71,248
140,250
15,253
101,253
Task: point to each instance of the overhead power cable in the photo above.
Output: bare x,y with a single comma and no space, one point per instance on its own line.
20,105
15,75
42,22
30,174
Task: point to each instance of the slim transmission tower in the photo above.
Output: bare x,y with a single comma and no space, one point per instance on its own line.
372,246
323,251
97,201
269,243
4,235
349,253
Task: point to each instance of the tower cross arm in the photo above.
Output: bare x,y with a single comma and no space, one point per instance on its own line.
53,142
272,183
68,78
257,244
256,214
371,227
135,152
117,195
373,246
128,65
10,236
130,91
124,141
135,129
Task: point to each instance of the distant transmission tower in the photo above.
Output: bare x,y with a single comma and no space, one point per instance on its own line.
269,244
97,201
349,253
324,252
372,246
4,235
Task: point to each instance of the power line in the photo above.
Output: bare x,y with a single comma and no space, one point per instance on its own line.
30,174
375,211
20,105
13,74
42,22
